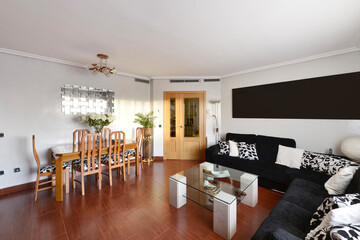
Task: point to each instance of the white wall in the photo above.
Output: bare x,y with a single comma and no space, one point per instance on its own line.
159,86
314,135
31,104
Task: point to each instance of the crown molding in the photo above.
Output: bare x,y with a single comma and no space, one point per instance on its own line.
39,57
266,67
183,77
300,60
60,61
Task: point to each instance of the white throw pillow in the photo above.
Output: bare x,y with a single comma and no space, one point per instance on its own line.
289,156
338,183
234,150
345,215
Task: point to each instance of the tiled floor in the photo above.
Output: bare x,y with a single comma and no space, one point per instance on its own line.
137,209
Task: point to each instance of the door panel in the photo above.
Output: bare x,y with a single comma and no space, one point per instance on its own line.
184,123
171,126
192,137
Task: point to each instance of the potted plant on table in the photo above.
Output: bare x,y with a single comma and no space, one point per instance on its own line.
98,121
147,122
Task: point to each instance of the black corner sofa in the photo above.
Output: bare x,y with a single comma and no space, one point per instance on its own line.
290,218
271,175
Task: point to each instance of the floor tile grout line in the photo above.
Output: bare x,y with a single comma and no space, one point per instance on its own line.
36,216
63,222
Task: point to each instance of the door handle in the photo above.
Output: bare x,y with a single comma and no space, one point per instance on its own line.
181,126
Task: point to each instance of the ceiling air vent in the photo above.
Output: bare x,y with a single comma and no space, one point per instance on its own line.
177,81
212,80
184,81
142,80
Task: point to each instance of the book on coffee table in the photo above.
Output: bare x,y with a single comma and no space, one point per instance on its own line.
213,188
217,174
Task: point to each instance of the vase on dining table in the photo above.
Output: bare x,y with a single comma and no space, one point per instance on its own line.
98,129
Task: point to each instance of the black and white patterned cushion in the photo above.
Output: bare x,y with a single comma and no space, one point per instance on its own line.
322,234
331,203
106,160
77,164
224,147
324,163
338,232
247,151
52,167
345,232
129,152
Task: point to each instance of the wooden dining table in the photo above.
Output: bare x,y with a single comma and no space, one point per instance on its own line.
70,152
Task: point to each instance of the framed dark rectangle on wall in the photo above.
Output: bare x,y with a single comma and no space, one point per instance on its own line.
329,97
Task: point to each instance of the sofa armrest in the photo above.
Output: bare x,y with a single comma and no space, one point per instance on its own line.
281,234
211,153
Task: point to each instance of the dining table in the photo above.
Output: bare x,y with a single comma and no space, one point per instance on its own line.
69,152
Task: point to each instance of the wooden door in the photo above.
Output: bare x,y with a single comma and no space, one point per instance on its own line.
171,125
184,125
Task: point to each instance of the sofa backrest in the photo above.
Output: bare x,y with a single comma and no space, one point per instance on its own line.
248,138
267,147
354,186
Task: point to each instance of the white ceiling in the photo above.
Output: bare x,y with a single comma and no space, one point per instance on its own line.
180,37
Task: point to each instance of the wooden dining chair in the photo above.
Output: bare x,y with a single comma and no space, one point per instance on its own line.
77,136
89,161
131,153
115,158
48,171
105,134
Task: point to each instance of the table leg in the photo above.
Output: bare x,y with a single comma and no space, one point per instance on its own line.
177,192
137,161
224,218
251,198
59,179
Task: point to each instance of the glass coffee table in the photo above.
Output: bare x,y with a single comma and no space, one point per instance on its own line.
217,188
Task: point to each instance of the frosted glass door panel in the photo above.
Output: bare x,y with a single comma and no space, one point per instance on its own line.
191,117
172,117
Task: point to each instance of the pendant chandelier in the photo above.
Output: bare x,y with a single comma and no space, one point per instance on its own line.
102,66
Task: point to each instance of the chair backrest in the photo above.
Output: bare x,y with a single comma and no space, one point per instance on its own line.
91,152
105,134
36,156
77,136
118,147
139,139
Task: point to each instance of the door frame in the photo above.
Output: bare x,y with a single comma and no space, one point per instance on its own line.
203,123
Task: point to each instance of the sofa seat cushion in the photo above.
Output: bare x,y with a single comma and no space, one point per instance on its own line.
272,172
287,216
281,234
305,194
267,147
309,175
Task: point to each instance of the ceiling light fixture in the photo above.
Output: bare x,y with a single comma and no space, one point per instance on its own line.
102,67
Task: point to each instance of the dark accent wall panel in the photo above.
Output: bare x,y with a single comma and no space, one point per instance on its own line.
329,97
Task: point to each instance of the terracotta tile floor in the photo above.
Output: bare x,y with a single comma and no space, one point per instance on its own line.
136,209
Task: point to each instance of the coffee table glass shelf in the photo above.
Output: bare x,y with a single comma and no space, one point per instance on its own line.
217,188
